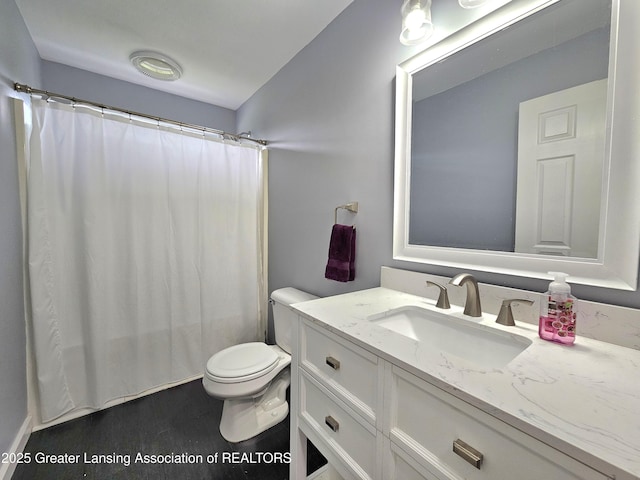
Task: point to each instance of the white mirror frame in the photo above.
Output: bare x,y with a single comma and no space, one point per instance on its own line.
619,244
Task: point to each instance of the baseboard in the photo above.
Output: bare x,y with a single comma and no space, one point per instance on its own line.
7,469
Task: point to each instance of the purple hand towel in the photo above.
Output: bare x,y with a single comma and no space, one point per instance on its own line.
342,254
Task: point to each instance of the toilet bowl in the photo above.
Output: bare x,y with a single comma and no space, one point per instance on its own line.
252,378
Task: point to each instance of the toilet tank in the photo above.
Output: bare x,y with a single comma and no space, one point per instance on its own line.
283,315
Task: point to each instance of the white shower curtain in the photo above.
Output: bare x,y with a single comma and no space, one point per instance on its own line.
145,253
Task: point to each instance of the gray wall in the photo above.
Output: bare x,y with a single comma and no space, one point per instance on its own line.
19,61
329,115
90,86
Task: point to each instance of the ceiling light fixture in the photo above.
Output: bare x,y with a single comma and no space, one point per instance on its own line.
471,3
156,65
416,21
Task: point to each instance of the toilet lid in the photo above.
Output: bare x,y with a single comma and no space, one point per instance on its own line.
245,360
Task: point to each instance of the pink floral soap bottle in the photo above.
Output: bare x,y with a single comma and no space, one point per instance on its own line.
557,313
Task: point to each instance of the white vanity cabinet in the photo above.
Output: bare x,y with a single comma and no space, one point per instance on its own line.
425,425
339,400
374,420
351,373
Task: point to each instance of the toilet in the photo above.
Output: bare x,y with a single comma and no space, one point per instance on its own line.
252,378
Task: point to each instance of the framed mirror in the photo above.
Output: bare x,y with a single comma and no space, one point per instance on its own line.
517,143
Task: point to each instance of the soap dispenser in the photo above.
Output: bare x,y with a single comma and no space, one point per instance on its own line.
557,312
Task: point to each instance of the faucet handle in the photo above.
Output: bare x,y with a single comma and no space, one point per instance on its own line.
443,297
505,317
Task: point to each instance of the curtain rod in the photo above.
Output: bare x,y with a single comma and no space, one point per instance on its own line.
34,91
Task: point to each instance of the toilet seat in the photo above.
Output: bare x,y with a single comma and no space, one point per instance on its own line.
241,363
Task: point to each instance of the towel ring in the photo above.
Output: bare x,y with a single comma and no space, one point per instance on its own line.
352,207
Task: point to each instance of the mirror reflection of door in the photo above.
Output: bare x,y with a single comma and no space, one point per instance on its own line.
561,148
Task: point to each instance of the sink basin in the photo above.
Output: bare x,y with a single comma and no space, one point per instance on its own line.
479,344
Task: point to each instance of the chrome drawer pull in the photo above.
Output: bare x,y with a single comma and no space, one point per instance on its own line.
332,423
333,363
468,453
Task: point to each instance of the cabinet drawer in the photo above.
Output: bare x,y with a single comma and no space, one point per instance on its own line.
350,438
425,421
398,465
351,373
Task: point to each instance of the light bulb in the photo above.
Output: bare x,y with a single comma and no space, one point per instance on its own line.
415,18
416,21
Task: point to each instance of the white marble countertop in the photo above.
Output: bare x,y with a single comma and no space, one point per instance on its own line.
583,399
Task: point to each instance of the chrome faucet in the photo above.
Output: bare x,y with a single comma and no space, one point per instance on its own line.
472,304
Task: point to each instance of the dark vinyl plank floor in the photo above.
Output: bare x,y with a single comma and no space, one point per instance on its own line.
179,421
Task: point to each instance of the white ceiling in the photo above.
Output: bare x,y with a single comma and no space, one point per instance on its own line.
227,49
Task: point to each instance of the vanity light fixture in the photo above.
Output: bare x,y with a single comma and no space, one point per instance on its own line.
416,21
156,65
471,3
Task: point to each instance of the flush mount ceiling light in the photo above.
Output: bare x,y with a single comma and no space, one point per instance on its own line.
471,3
156,65
416,21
